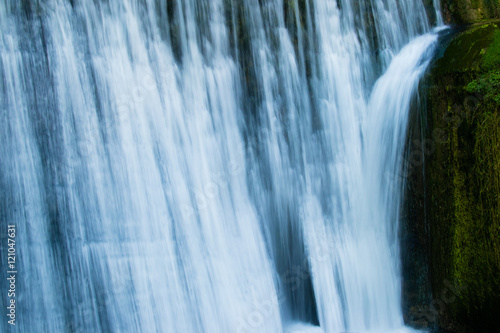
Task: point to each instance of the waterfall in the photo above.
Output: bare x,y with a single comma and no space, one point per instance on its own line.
206,165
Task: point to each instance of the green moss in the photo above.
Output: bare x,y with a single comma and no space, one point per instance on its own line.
491,58
464,178
462,241
487,156
487,82
488,85
466,51
476,180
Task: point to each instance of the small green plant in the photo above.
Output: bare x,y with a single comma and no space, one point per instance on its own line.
487,82
487,85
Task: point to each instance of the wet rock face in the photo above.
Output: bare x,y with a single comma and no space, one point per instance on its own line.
466,11
453,198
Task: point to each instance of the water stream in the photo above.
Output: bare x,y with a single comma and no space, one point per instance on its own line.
206,165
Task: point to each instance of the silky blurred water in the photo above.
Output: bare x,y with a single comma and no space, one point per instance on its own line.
207,165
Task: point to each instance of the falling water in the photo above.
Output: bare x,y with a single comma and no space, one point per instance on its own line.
206,165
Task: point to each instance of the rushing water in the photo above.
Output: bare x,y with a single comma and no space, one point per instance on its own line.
206,165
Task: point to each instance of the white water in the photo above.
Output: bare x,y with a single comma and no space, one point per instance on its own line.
207,166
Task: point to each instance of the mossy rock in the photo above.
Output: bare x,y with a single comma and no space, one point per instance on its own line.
466,51
470,11
487,82
462,179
